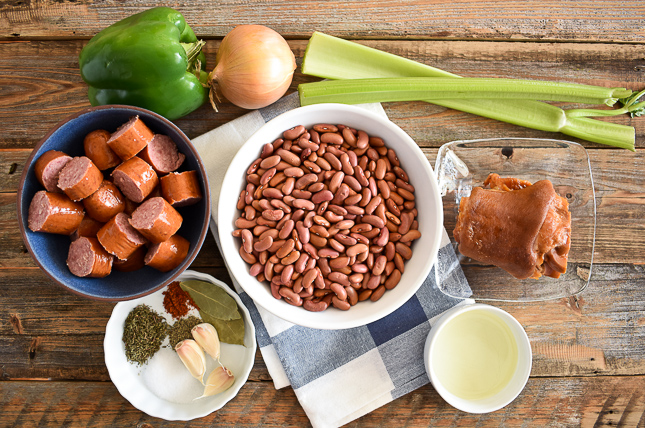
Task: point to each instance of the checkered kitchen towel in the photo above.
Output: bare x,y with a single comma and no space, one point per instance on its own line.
356,370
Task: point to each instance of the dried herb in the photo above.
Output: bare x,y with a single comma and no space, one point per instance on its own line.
218,308
229,331
181,330
143,333
212,300
176,301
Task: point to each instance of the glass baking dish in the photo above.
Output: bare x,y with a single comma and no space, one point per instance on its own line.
462,165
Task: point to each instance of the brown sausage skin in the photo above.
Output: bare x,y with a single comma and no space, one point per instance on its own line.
156,219
130,138
47,168
133,262
88,228
54,213
135,178
87,258
167,255
79,178
96,148
130,206
119,238
105,203
181,189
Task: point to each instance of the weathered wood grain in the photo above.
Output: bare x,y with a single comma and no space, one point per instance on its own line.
552,402
35,98
618,176
466,19
47,332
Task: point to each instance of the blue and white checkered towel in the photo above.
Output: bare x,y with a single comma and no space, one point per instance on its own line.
337,375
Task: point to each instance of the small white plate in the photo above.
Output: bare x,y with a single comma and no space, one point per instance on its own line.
163,387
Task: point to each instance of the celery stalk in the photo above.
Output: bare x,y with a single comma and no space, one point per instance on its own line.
357,91
333,58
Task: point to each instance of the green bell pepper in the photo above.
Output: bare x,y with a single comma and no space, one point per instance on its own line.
151,60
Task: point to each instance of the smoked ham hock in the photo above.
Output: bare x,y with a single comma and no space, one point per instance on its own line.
522,228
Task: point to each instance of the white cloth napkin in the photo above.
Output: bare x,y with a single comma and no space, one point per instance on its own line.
337,375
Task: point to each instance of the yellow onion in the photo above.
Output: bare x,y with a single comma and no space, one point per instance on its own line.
254,67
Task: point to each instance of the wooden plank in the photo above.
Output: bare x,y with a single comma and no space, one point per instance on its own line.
618,177
427,19
48,332
56,91
59,335
601,401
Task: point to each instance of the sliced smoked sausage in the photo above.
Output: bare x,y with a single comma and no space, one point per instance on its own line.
181,188
167,255
87,258
105,203
130,138
96,148
119,238
47,168
88,228
130,206
162,154
133,262
54,213
79,178
156,219
135,178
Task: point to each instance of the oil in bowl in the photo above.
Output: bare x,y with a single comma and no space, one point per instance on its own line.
478,358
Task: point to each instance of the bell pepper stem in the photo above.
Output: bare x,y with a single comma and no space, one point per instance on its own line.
192,51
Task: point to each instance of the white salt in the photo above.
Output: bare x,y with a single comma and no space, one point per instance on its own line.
167,377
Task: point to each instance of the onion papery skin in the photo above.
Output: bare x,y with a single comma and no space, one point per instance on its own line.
254,67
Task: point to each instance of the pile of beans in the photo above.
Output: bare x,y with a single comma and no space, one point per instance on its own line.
327,217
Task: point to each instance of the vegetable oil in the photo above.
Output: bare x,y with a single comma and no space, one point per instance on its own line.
475,355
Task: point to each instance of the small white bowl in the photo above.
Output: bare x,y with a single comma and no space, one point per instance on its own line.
505,394
428,203
163,388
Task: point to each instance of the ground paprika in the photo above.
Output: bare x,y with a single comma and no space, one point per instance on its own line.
176,301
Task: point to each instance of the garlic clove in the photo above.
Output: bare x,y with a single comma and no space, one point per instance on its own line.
193,358
206,336
218,381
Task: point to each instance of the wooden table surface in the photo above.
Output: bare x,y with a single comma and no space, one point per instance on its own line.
589,350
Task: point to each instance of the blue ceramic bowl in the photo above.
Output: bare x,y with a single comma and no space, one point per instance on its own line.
50,251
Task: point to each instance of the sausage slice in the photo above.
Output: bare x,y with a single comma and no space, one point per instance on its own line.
105,203
162,154
88,228
96,148
79,178
136,179
133,262
47,169
167,255
181,189
54,213
130,138
87,258
119,238
156,219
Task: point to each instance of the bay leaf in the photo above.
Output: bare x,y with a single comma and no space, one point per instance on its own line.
231,331
212,300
